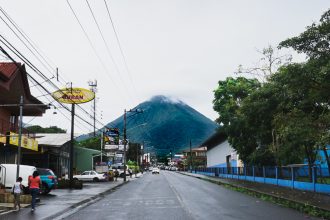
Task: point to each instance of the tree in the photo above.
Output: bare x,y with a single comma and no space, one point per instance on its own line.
91,143
228,98
315,43
134,150
268,64
39,129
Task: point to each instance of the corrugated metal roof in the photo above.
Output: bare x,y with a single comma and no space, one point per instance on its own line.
56,140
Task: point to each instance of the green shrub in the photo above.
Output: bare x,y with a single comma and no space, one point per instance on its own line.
65,184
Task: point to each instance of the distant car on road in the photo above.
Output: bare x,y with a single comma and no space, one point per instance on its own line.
91,176
48,180
155,170
173,168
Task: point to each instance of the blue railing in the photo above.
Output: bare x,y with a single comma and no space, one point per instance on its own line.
315,179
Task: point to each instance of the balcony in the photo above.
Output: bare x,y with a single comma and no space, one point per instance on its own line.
7,126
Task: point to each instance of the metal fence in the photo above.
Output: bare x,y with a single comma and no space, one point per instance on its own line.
303,177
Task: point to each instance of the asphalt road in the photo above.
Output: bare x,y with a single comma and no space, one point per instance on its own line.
170,195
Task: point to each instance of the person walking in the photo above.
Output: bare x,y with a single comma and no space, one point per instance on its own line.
17,190
34,186
116,174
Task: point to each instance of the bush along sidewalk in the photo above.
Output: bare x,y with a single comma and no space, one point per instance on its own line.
302,207
65,184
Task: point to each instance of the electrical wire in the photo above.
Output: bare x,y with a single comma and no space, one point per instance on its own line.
34,68
18,66
34,46
106,45
28,39
24,43
92,45
119,45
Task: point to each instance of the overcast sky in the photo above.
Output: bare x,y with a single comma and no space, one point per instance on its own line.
178,48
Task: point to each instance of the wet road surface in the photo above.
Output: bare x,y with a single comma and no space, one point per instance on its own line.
170,195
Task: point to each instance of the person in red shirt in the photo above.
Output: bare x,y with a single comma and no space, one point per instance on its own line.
34,186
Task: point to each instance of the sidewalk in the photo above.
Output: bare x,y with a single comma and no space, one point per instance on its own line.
301,200
60,201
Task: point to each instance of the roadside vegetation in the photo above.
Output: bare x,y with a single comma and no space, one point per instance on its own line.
281,115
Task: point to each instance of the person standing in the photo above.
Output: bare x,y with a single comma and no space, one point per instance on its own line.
17,190
116,174
34,186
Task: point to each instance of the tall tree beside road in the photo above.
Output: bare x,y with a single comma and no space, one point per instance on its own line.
314,83
228,98
287,118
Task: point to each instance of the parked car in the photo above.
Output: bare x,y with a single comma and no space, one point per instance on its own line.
48,180
8,174
91,176
155,170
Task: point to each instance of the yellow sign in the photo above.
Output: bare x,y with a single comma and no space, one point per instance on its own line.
74,95
27,143
2,138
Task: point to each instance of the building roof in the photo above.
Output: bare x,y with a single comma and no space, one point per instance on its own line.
56,139
14,84
218,137
196,149
7,70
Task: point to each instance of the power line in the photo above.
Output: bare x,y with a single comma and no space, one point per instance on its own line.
91,44
106,44
24,43
32,44
35,69
46,90
119,44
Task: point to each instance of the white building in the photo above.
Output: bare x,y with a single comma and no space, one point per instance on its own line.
220,153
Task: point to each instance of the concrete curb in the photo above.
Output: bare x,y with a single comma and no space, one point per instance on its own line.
297,205
89,200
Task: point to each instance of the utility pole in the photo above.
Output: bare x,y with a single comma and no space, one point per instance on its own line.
19,146
190,157
125,141
102,139
124,145
93,86
71,145
19,136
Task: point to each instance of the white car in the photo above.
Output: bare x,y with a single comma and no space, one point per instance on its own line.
174,169
155,170
90,176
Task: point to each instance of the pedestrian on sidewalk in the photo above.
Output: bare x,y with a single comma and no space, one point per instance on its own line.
34,186
17,190
130,173
116,174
